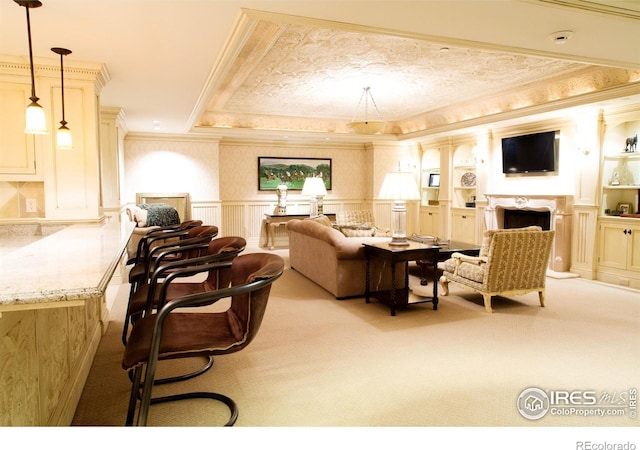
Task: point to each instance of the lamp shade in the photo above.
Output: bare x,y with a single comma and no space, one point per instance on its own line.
399,186
36,122
314,187
64,140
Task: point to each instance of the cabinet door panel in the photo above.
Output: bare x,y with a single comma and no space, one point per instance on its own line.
463,227
613,246
634,249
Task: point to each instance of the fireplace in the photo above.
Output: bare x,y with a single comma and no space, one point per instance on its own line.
551,212
519,218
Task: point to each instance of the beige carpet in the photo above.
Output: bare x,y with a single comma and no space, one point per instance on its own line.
320,362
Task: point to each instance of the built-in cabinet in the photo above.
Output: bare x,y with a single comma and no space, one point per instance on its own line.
430,193
619,251
621,183
618,259
463,224
430,221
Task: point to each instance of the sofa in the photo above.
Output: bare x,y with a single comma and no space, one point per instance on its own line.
148,217
359,222
323,253
512,261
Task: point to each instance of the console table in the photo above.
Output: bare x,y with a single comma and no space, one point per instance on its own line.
273,221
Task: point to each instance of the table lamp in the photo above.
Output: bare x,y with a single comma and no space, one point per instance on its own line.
314,188
399,187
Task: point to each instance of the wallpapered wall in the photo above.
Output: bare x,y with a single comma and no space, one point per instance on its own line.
210,171
350,172
165,166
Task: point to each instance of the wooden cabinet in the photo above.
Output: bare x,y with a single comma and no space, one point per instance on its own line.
430,221
619,251
620,244
463,225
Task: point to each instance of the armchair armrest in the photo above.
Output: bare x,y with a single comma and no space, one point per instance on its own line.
460,258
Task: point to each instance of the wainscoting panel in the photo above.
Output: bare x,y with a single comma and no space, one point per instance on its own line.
583,240
209,213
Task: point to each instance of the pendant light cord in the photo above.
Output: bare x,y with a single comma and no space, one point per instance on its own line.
33,82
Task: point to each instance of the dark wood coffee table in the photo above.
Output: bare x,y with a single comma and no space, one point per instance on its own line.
398,295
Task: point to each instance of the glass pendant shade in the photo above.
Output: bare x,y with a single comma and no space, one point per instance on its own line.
63,138
36,121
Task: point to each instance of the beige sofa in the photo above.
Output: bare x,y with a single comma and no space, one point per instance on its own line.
336,262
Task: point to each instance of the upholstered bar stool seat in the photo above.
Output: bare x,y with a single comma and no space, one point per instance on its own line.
171,334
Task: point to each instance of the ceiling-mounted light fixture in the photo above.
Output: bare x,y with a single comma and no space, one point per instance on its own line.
366,126
36,122
63,135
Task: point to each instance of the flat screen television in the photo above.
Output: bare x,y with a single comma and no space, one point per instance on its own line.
530,153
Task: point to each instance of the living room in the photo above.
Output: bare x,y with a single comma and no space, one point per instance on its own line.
121,154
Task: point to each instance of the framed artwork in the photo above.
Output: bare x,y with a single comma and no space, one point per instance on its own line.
272,171
624,208
434,180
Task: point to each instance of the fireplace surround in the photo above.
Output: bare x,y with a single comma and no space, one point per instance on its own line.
559,208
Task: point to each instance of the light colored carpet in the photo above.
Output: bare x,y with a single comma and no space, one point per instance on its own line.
320,362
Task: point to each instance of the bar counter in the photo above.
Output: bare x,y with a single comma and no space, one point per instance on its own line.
52,315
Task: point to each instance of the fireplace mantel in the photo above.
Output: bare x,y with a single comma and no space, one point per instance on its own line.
559,206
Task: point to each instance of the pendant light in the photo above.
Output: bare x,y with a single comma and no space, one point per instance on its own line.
366,126
63,135
36,122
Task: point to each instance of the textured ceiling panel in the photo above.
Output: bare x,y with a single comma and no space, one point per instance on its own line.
299,76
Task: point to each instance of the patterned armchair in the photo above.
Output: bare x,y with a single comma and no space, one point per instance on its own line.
511,262
358,223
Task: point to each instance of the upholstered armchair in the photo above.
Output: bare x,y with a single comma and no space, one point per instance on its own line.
359,223
511,262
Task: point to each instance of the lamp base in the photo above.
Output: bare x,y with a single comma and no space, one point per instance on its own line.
399,241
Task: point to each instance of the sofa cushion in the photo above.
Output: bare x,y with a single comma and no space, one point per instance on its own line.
474,272
357,231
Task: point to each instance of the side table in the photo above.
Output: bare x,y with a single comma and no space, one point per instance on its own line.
273,221
399,296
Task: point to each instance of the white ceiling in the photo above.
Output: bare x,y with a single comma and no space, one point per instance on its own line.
300,66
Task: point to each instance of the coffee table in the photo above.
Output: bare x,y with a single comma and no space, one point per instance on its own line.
426,256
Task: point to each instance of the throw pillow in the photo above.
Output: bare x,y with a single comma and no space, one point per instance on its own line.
322,220
141,217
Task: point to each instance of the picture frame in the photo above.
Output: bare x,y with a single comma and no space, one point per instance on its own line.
434,180
624,208
274,170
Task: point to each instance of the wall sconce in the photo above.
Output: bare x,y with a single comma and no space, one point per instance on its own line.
399,187
63,135
314,188
36,122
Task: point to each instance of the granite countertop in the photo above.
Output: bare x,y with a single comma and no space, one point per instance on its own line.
70,265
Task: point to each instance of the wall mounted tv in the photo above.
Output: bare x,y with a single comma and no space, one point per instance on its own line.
530,153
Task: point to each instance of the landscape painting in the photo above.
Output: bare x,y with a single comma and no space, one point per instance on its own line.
273,171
